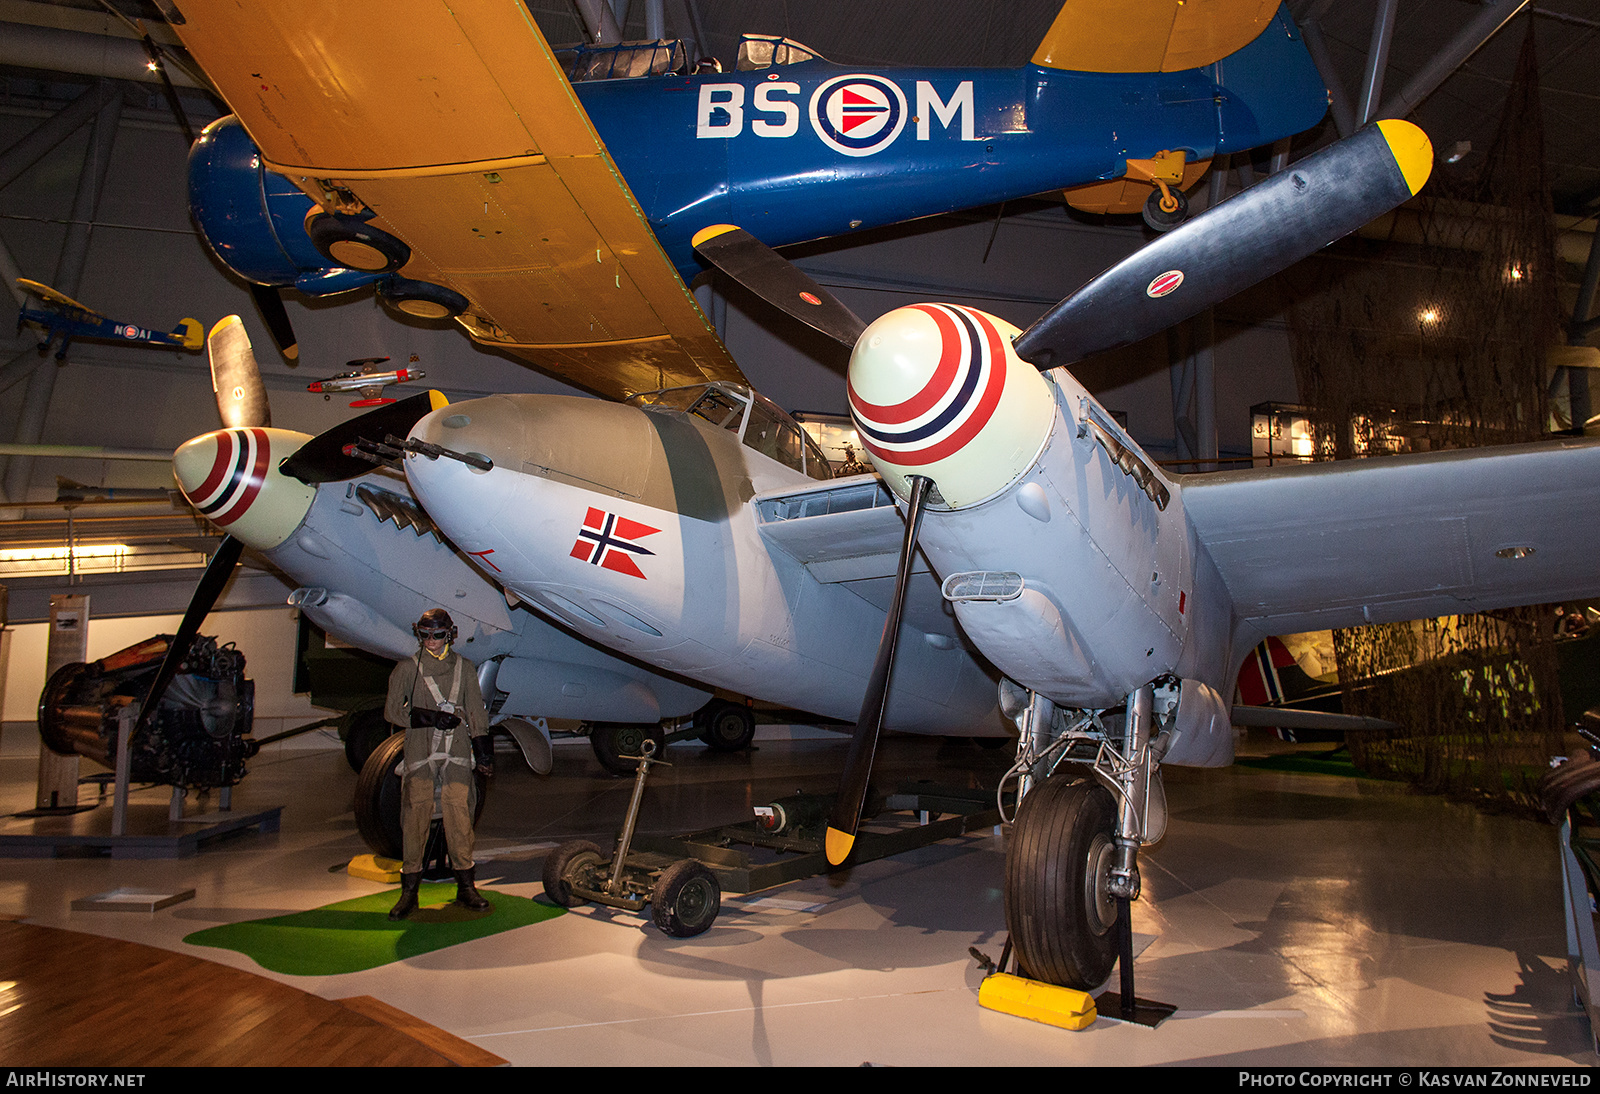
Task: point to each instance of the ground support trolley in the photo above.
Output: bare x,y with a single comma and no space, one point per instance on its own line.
682,878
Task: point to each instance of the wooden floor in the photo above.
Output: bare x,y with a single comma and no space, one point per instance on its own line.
70,999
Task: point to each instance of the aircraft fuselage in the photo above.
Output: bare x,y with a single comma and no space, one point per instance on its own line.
633,526
805,151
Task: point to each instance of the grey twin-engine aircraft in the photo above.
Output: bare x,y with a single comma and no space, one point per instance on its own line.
370,561
1117,601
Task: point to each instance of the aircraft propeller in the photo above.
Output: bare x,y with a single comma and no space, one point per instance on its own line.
269,303
236,378
228,476
1223,251
241,404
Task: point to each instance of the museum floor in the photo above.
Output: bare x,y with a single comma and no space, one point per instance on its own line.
1293,919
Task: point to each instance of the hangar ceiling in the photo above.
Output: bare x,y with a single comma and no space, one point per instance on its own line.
51,51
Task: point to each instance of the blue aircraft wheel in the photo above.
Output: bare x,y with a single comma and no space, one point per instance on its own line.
365,730
1164,220
356,245
423,299
725,726
1061,918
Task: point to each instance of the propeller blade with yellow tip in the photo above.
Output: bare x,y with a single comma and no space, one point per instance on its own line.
1242,241
846,814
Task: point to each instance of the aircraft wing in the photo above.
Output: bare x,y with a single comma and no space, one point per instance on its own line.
456,127
1344,543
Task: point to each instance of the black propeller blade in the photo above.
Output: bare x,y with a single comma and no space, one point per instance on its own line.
276,316
218,570
323,457
236,378
1225,250
776,280
846,815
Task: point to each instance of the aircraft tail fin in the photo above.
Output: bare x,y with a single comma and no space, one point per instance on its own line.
1150,35
192,333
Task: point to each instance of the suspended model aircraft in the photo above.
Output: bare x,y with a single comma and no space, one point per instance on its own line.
1117,601
440,153
366,380
63,317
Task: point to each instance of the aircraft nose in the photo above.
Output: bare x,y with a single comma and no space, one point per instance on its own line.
462,499
231,476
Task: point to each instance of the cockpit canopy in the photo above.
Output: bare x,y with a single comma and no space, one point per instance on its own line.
757,420
758,51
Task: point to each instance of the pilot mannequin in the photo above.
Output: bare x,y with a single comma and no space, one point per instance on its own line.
434,695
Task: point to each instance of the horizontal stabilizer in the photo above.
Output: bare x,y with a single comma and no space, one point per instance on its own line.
192,333
1287,718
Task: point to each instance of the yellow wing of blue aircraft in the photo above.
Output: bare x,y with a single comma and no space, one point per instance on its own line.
441,153
63,317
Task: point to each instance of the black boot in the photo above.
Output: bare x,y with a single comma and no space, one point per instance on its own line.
467,893
409,884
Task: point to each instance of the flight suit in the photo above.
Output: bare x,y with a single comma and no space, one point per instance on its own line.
437,762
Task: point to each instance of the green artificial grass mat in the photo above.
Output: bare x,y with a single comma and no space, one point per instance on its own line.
1307,763
358,934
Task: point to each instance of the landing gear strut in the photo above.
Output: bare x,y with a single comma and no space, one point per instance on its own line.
1072,868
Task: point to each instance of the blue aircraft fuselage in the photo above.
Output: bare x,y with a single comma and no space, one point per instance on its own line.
805,151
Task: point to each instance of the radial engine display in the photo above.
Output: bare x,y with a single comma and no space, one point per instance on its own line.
199,735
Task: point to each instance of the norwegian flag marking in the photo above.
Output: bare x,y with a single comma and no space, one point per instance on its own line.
608,541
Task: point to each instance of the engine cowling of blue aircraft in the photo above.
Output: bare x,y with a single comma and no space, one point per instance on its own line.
1055,539
254,219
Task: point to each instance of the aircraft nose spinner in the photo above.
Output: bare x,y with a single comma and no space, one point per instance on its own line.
936,390
231,476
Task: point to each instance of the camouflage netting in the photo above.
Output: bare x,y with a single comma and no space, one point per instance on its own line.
1436,338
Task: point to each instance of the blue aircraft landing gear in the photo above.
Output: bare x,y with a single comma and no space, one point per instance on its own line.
1165,208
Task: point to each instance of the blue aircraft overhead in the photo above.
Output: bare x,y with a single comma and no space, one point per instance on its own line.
455,164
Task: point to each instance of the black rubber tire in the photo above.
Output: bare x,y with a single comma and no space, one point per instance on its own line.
364,731
422,299
612,741
725,726
378,799
1158,218
354,244
1062,923
559,865
686,899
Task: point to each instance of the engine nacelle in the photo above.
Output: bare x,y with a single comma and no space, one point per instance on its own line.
1201,732
254,219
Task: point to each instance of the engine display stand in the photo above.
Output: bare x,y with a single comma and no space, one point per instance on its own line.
141,831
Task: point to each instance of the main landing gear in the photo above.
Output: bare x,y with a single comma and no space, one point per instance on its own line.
1091,794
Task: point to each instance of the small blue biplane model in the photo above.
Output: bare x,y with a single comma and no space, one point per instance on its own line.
64,317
